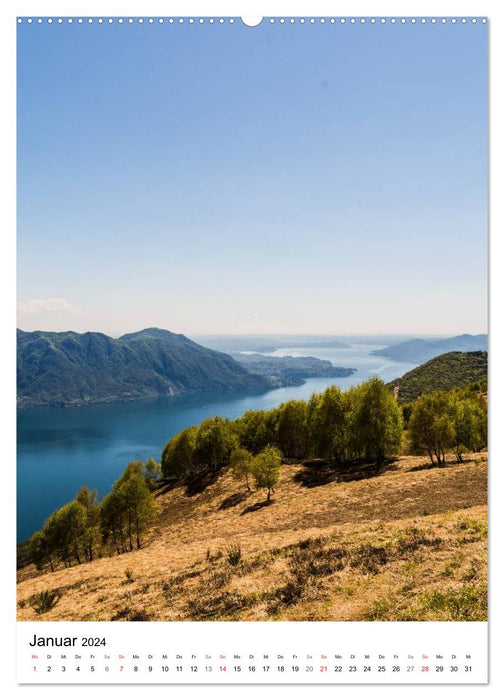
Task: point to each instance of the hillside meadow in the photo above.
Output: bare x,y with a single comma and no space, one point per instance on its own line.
405,541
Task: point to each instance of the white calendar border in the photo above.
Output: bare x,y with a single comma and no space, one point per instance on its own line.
314,8
260,652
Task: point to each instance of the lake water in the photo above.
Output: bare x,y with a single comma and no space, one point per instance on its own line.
59,449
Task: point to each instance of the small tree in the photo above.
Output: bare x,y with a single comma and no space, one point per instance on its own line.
266,468
40,550
329,429
65,532
443,429
89,499
75,523
376,421
112,522
431,426
178,455
240,463
136,501
214,442
292,429
152,472
470,426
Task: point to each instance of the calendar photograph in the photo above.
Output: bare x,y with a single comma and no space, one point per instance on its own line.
252,320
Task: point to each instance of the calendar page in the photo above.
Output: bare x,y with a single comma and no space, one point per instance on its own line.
252,349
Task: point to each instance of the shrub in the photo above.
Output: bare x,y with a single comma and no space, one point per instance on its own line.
234,554
45,601
131,615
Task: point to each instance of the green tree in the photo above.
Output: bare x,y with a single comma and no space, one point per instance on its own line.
292,429
128,511
65,530
178,455
56,538
312,427
136,501
266,468
431,425
89,500
257,429
214,442
113,522
152,472
41,551
329,425
444,434
376,421
407,409
470,426
240,462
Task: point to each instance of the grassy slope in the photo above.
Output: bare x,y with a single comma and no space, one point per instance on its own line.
409,543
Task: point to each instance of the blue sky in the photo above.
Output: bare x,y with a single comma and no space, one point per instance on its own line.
226,179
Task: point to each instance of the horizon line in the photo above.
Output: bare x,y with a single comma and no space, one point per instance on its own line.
262,334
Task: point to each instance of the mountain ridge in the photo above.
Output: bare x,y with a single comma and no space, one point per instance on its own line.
421,350
69,368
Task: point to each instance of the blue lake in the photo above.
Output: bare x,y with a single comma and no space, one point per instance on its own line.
59,449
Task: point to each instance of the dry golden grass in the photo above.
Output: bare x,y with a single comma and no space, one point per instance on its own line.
407,543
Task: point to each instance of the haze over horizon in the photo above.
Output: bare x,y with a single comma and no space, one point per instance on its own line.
219,180
198,337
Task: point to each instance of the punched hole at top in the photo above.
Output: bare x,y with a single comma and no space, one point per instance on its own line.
251,21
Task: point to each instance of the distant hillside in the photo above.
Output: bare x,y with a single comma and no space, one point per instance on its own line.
77,368
453,370
419,350
284,371
251,343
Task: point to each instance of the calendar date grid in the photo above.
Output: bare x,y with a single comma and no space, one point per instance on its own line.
258,664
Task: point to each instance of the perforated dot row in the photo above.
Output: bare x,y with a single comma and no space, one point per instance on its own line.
271,20
375,20
127,20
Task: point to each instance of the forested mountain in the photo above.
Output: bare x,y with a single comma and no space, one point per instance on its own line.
453,370
419,350
77,368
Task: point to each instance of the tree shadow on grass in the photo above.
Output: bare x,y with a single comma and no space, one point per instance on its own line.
166,487
256,506
320,472
234,500
441,465
201,480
